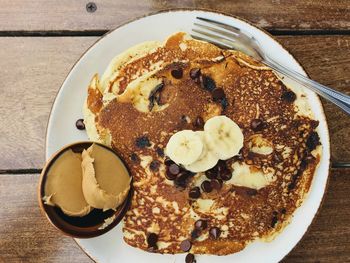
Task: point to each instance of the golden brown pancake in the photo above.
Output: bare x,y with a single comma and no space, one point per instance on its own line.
154,95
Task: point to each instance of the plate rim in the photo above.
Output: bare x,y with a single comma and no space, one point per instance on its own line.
168,10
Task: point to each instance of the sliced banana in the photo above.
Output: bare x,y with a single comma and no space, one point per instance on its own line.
206,160
223,136
184,147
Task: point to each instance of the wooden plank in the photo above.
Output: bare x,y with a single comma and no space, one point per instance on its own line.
327,60
72,15
33,69
26,236
327,240
32,81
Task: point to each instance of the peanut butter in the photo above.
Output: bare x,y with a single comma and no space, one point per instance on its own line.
77,183
63,185
106,182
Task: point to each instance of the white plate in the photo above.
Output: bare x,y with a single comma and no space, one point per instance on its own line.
110,247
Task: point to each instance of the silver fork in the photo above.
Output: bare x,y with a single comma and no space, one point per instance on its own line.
228,36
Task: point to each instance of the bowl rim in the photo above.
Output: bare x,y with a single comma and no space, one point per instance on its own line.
74,231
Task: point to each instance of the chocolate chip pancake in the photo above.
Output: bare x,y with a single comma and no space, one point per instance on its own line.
157,89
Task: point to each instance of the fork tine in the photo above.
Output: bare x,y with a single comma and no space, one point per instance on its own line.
238,34
226,26
227,42
216,30
222,45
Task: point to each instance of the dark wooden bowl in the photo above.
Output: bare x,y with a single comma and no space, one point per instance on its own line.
86,226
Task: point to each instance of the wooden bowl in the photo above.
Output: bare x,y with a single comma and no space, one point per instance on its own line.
80,227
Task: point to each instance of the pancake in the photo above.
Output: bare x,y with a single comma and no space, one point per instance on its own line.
157,91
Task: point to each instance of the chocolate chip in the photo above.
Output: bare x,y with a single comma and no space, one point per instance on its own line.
216,184
195,73
152,249
177,73
207,83
212,173
181,179
277,157
206,186
168,161
225,174
172,171
214,232
218,94
201,224
314,124
283,211
312,141
257,125
185,245
221,166
199,122
185,119
224,103
80,124
237,158
303,165
274,221
154,165
184,175
194,193
251,192
180,183
155,96
292,185
143,142
160,151
195,233
288,96
156,89
134,157
190,258
152,240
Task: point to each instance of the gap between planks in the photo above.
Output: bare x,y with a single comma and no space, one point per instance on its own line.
97,33
38,171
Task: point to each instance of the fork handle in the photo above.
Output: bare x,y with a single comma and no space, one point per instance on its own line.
340,99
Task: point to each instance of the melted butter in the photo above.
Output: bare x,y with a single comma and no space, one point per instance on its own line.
63,185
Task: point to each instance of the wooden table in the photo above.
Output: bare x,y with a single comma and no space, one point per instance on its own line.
40,41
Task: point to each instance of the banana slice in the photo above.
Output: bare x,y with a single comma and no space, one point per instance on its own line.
184,147
206,160
223,136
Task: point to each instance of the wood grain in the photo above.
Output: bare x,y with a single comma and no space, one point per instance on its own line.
26,236
72,15
33,69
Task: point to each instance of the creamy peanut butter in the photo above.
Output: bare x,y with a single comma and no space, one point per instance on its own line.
63,185
106,182
77,183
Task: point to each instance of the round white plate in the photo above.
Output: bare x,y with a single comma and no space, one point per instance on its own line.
67,108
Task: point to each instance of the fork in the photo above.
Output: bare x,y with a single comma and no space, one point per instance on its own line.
231,37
